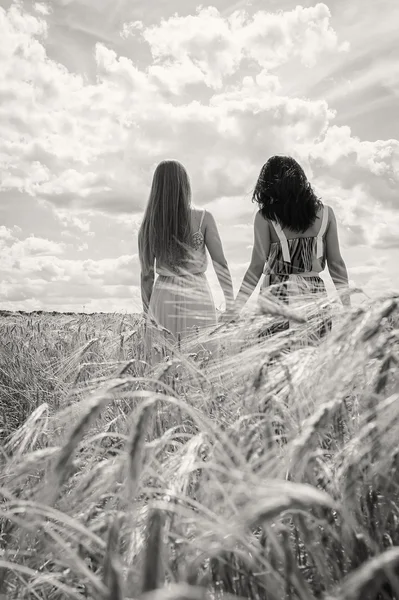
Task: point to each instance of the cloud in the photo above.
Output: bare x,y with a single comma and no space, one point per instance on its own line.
206,38
14,249
174,76
380,158
273,39
42,294
360,179
119,128
362,219
34,247
42,8
385,231
5,234
77,222
131,28
215,46
35,273
57,132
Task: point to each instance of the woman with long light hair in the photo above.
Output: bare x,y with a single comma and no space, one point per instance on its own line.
295,236
173,239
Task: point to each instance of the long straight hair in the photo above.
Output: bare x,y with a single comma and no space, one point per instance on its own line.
285,195
165,232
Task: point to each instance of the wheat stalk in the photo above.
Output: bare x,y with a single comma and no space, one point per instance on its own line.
153,552
290,497
109,577
368,578
61,467
142,420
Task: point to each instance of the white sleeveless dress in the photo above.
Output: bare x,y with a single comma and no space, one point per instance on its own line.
181,308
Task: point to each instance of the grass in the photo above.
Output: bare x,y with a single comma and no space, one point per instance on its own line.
271,473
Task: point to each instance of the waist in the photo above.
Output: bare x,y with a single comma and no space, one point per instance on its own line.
185,274
194,266
305,274
296,275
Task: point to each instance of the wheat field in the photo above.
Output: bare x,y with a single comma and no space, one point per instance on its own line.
271,473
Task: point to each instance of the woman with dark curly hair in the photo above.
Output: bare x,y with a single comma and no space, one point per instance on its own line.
295,235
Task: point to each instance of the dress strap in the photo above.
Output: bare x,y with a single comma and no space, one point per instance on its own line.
202,219
283,241
323,227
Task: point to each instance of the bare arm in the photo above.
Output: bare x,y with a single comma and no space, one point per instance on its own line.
147,284
335,262
260,253
147,277
215,249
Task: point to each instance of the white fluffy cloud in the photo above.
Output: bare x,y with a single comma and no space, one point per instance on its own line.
58,133
42,8
36,269
94,145
380,157
214,46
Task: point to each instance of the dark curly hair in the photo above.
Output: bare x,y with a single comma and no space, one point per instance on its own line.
284,194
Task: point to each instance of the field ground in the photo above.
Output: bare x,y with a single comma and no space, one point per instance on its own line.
271,473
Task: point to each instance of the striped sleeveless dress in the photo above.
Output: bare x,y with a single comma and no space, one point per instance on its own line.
293,268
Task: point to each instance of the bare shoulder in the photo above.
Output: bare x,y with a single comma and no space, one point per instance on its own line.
198,215
208,219
330,213
196,210
260,222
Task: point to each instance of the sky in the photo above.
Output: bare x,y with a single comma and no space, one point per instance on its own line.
94,93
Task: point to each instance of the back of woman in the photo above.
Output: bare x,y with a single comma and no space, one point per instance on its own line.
295,235
194,259
172,245
297,223
297,253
